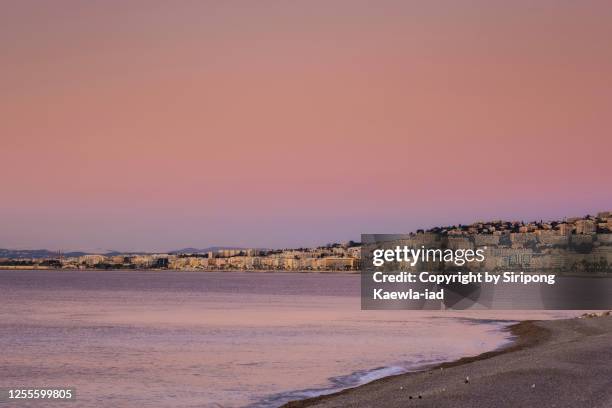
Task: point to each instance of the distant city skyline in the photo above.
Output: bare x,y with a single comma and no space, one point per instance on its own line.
574,244
161,125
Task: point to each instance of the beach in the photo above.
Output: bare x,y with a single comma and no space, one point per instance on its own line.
560,363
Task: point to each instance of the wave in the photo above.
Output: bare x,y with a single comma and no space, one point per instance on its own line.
361,377
344,382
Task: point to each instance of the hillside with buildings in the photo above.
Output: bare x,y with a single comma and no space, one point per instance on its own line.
578,244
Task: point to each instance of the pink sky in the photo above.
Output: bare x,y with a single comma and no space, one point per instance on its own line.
145,125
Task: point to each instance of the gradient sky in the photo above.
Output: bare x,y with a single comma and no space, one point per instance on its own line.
155,125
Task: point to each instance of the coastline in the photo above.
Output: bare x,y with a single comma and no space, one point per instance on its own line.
283,271
599,275
545,361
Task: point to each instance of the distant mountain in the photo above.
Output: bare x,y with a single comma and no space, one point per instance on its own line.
201,250
45,253
35,253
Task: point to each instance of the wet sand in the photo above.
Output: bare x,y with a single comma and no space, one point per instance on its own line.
560,363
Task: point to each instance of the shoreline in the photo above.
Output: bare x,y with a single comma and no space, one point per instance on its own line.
600,275
340,385
445,384
283,271
525,334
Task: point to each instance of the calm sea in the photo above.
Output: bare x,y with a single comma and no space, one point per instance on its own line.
187,339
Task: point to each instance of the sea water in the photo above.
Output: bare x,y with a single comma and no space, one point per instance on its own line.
217,339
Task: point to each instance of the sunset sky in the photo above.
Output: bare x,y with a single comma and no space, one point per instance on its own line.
156,125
